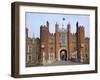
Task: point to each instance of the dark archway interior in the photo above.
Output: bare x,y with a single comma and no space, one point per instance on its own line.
63,55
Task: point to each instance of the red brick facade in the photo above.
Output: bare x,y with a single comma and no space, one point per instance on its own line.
62,45
74,42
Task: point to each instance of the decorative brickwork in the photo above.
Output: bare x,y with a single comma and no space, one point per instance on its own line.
62,45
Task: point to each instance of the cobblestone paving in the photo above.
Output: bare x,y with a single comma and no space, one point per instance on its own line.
56,63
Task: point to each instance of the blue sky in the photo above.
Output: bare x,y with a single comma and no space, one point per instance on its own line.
35,20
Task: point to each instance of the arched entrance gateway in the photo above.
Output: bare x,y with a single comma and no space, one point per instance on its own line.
63,55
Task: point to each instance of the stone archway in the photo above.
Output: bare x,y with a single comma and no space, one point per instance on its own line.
63,55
